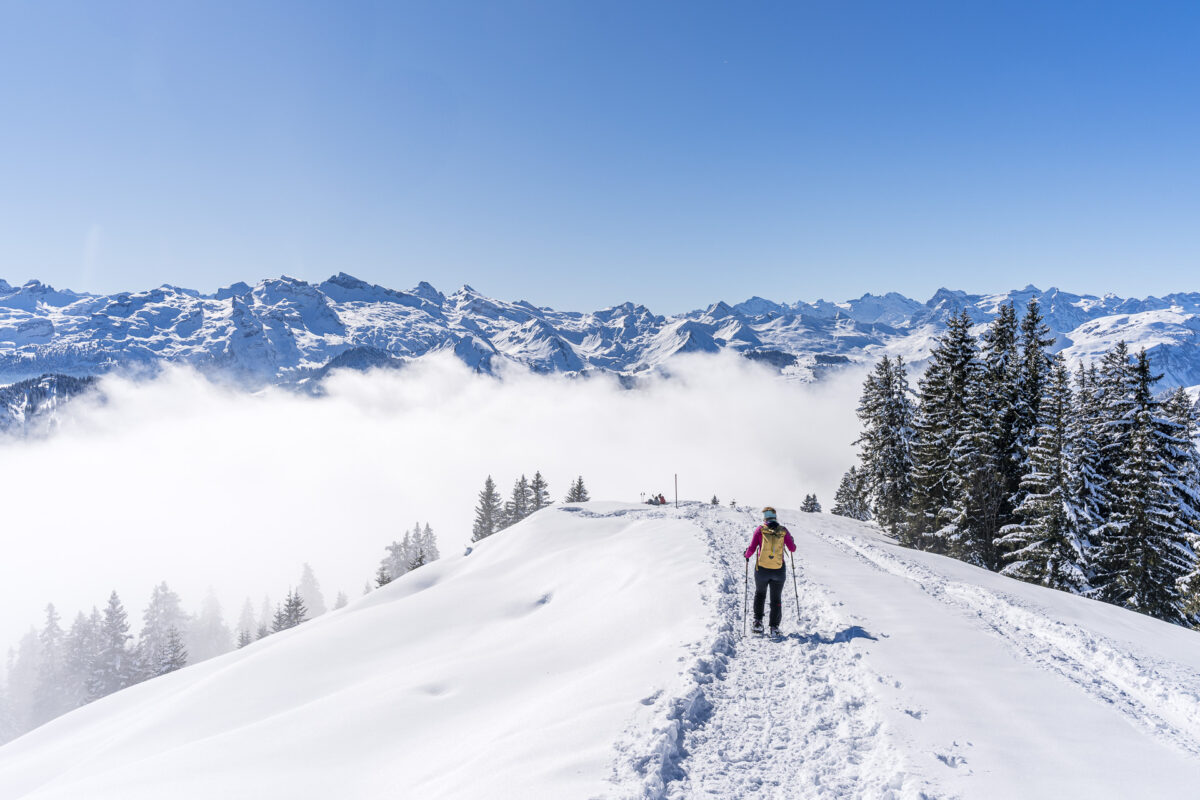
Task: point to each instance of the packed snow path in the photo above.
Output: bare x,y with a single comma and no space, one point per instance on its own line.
907,675
793,717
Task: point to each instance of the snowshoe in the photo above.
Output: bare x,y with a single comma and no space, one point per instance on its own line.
775,634
757,628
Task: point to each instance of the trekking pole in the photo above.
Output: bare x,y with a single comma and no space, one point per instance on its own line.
792,558
746,598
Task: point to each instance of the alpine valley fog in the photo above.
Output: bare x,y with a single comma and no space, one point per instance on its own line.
182,480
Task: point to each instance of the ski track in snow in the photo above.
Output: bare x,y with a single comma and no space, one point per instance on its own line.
793,718
1161,698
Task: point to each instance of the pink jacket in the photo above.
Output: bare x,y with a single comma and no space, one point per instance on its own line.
756,542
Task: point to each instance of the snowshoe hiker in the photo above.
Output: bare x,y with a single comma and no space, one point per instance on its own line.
769,540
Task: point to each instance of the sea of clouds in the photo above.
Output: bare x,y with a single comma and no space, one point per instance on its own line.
204,486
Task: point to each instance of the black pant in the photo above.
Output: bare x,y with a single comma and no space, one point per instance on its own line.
764,579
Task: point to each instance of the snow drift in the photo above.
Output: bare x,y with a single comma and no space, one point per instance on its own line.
596,651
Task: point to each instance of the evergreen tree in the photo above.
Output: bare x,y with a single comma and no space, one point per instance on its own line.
886,443
853,496
310,591
114,666
717,502
163,614
82,650
942,418
970,521
1180,410
1046,547
290,614
520,502
539,493
1144,552
810,504
266,615
429,545
1001,458
489,513
1033,373
577,493
51,697
1087,490
23,674
342,600
8,721
247,624
398,560
207,634
174,653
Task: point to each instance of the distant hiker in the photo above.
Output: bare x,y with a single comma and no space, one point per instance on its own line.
662,501
769,540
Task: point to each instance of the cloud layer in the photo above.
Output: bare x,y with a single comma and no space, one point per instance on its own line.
183,480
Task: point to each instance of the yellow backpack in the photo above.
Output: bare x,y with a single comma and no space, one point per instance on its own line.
770,552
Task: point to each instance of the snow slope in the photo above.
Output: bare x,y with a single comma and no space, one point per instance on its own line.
597,651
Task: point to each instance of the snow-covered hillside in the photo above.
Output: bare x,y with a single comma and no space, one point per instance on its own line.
287,330
596,651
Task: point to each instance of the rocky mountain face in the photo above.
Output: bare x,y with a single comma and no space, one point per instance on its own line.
284,330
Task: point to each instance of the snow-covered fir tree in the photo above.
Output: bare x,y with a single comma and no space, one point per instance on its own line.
114,667
578,493
1087,489
52,696
1033,373
520,502
1180,409
247,624
810,504
342,601
266,615
996,409
82,648
1046,546
539,493
970,521
1144,549
310,592
382,576
853,496
886,412
23,669
290,614
489,513
163,614
8,721
941,420
207,633
173,655
429,545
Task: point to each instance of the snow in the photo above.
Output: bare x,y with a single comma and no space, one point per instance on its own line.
597,651
280,329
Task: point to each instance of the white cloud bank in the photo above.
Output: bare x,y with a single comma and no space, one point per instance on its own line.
182,480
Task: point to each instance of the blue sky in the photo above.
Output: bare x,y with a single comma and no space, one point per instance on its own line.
579,154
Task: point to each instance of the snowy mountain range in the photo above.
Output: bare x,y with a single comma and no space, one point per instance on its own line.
499,674
284,330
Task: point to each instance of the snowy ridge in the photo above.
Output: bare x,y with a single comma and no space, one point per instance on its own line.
600,653
286,330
